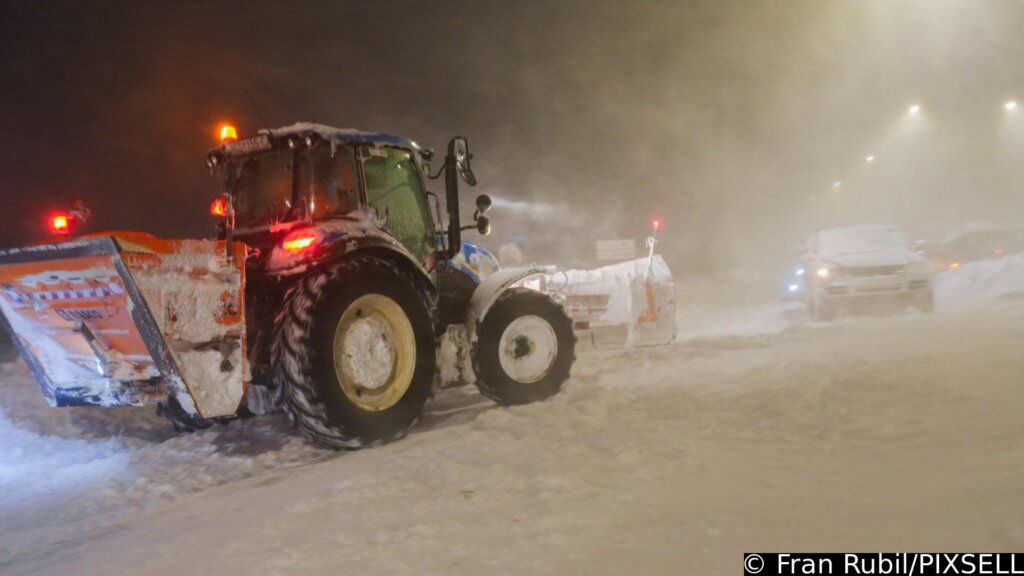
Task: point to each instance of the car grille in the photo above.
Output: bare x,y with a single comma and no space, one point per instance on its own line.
863,271
875,289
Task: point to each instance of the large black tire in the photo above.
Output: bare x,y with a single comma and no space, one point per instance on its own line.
498,383
326,406
179,418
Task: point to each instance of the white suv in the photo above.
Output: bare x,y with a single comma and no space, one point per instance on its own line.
848,268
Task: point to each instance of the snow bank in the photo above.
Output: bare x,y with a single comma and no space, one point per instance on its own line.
698,321
731,306
34,464
63,470
36,458
982,280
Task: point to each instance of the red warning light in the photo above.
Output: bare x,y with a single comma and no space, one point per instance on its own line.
60,224
219,207
299,243
657,225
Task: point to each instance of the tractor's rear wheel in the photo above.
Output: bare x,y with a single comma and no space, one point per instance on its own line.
525,348
353,354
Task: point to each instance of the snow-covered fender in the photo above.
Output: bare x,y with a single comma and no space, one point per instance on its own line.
337,238
487,293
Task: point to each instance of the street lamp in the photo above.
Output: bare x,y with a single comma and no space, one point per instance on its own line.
870,158
913,110
1011,105
837,184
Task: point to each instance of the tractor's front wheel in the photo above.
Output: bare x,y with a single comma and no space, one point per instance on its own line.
354,354
525,348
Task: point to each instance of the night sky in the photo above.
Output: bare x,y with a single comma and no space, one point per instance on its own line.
729,120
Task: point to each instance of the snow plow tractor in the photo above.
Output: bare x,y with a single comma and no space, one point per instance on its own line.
334,292
328,294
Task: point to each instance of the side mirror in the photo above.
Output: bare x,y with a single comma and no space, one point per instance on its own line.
456,165
483,225
460,149
483,203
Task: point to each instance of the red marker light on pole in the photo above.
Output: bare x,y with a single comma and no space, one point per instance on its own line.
657,225
60,224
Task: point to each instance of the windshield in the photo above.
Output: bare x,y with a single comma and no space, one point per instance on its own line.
854,240
268,188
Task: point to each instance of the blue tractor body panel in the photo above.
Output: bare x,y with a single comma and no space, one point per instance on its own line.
475,261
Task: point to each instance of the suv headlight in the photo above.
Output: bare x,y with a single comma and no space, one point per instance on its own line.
828,270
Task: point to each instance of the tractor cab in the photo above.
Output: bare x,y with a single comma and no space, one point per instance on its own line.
294,177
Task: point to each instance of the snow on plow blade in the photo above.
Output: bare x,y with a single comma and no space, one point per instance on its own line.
623,305
129,320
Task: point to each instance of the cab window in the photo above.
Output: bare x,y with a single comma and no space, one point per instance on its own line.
330,181
263,189
395,191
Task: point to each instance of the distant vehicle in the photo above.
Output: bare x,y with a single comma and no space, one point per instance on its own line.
860,266
975,242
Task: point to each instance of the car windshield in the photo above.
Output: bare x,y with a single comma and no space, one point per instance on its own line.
854,240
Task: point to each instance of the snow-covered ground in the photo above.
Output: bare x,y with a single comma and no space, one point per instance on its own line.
758,429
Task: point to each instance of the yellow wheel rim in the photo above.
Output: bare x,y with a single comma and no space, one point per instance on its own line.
374,352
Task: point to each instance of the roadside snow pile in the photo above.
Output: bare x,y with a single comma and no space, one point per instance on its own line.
36,461
115,457
731,306
32,464
749,320
982,280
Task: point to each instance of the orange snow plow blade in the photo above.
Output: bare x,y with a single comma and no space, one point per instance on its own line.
128,320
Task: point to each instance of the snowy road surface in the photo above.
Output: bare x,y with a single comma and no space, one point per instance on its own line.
758,430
